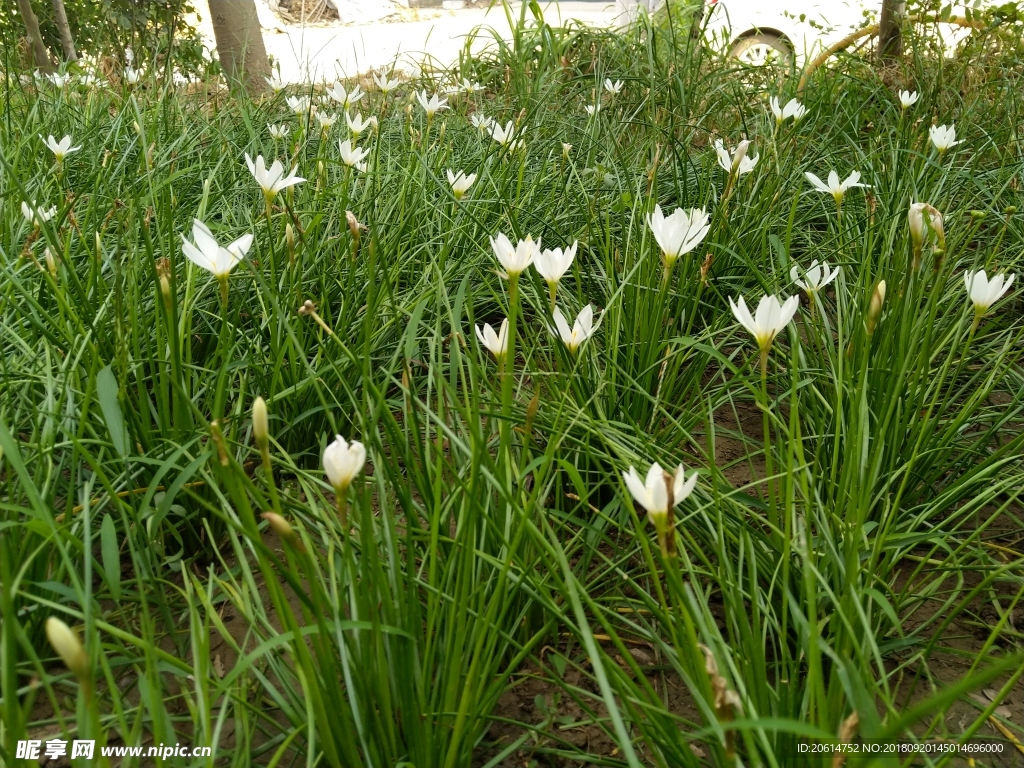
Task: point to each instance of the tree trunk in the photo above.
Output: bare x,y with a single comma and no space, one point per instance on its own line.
890,36
40,55
240,43
67,42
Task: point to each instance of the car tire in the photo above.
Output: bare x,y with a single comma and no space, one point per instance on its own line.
761,49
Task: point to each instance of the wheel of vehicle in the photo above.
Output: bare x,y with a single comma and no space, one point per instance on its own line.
762,49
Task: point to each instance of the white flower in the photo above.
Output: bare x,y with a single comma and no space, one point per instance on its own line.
460,183
553,263
943,137
132,75
129,55
385,83
481,121
61,148
89,80
279,131
271,180
276,84
60,80
326,120
357,125
793,109
342,462
613,88
653,493
916,221
431,106
208,254
984,292
503,136
592,109
566,149
353,156
815,278
737,162
908,98
834,187
343,97
496,343
464,87
679,233
581,330
772,316
36,215
67,645
516,258
298,104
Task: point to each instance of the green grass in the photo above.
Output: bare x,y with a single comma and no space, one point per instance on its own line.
852,544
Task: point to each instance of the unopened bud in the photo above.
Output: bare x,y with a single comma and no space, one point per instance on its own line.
218,438
260,425
875,307
1010,210
284,530
67,645
566,149
307,308
977,215
51,263
353,225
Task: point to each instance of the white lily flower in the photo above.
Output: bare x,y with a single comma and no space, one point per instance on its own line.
326,120
495,343
61,148
89,80
208,253
279,131
344,97
35,214
943,137
793,109
298,104
659,492
132,76
815,278
553,263
353,156
431,105
514,258
834,187
129,55
276,84
342,462
984,292
460,183
566,149
385,83
581,330
679,233
60,80
908,98
481,121
614,88
771,317
271,180
503,136
357,125
465,86
737,162
592,109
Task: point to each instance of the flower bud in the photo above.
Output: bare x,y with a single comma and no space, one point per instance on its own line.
260,425
67,645
51,263
875,307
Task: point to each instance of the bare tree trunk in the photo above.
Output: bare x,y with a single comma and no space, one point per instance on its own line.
67,42
890,36
40,55
240,43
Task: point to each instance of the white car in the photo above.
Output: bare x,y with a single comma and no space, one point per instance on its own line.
757,32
